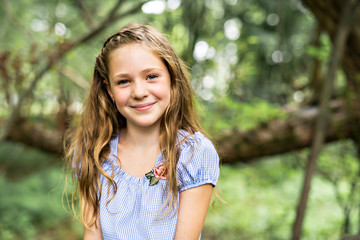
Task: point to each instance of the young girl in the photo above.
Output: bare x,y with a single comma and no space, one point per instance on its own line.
143,168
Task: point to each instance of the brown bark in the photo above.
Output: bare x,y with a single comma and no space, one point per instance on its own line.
355,237
54,58
37,136
281,135
278,136
342,32
328,15
316,76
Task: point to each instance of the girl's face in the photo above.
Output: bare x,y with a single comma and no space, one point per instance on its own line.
139,84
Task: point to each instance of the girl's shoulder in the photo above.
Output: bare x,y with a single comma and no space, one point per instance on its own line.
197,140
198,162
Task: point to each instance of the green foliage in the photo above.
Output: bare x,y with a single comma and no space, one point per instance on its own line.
262,197
31,204
321,52
243,66
340,166
228,113
241,82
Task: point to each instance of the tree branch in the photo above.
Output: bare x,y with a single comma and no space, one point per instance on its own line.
276,137
343,29
74,77
85,13
282,135
110,19
354,237
13,18
55,57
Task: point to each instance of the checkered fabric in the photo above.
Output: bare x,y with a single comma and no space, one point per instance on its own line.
133,213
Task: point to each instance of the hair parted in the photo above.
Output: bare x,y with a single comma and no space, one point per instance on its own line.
87,144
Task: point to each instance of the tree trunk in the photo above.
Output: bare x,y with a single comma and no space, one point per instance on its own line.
277,136
328,15
342,32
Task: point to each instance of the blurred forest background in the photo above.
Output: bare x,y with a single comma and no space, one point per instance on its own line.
278,89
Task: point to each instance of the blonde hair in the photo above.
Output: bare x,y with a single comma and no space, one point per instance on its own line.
87,145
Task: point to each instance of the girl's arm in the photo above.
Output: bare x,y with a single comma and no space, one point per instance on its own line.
94,233
193,207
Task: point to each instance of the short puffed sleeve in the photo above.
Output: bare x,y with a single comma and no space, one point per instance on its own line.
198,163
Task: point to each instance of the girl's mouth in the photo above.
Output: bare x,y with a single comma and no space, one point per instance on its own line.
143,107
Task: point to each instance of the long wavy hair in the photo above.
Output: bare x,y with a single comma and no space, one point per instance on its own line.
87,144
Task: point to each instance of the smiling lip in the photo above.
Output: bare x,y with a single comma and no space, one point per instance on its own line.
143,107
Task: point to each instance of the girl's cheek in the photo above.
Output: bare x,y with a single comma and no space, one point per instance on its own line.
122,97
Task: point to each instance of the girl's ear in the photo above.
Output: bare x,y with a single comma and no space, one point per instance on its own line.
108,90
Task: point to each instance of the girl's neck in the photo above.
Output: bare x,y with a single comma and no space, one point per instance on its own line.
140,137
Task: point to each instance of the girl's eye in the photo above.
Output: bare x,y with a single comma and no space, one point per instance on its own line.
152,76
122,82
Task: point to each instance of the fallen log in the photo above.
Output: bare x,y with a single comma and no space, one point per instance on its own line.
281,135
275,137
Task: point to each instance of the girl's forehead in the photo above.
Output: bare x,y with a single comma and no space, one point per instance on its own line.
132,59
131,48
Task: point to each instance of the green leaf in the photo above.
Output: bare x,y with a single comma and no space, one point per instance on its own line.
154,181
150,175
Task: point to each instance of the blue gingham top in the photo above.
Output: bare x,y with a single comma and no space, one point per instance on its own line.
133,213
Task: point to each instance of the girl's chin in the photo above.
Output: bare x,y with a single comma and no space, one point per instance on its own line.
144,124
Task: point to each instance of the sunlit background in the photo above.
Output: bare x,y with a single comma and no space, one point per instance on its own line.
251,63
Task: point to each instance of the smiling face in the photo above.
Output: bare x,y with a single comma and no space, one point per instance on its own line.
139,85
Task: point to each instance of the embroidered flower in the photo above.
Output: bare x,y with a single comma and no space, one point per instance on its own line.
157,173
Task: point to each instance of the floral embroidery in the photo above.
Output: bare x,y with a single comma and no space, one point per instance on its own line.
157,173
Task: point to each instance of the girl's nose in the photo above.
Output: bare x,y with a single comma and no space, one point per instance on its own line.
139,90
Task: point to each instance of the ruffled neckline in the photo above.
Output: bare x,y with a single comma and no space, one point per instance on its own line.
107,165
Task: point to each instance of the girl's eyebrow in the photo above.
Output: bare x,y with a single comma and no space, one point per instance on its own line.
120,75
151,69
127,75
